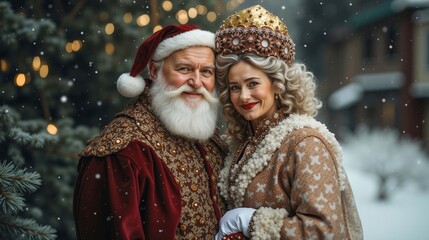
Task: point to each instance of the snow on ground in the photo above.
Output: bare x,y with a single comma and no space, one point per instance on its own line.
405,216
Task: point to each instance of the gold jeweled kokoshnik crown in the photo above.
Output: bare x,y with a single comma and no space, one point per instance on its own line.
255,30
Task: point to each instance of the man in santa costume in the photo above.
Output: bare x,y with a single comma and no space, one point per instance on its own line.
152,172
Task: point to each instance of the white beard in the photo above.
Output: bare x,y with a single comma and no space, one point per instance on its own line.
190,119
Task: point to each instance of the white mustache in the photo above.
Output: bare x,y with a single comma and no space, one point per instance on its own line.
173,92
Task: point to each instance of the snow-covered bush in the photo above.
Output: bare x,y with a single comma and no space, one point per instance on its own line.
392,159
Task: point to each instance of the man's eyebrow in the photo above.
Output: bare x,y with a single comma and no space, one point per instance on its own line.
181,63
210,66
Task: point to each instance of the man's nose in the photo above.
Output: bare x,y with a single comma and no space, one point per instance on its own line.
195,80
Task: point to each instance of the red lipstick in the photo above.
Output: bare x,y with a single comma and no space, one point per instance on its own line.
248,106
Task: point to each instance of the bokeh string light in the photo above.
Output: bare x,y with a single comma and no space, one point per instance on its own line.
182,16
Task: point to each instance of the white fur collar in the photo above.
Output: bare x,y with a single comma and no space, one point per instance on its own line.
264,152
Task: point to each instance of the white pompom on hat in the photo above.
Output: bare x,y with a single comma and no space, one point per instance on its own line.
130,86
159,46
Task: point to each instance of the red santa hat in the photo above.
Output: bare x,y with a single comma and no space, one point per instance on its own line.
159,46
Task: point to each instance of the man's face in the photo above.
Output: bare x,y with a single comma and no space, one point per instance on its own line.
193,66
183,95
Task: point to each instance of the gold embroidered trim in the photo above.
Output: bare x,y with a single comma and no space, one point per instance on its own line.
137,122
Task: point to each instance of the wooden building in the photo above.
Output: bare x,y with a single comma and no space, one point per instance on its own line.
378,69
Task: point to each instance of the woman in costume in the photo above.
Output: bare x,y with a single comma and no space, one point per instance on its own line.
283,177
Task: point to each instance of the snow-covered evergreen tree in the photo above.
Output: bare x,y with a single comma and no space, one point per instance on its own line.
391,159
27,143
15,180
75,92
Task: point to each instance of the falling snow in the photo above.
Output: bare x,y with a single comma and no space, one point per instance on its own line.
74,68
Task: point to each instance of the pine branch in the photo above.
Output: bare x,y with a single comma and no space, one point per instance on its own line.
13,182
7,117
15,154
15,227
35,140
20,180
11,202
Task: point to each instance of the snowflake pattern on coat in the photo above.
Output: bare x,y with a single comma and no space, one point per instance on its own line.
301,192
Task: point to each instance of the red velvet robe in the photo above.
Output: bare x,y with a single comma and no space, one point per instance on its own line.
137,181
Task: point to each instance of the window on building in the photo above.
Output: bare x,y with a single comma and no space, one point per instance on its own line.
368,46
391,41
388,117
427,50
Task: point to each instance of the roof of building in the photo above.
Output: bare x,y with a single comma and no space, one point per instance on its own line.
352,93
384,10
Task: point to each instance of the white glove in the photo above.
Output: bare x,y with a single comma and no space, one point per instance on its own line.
235,221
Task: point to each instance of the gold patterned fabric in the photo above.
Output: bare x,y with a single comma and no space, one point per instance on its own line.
301,178
194,164
292,179
255,30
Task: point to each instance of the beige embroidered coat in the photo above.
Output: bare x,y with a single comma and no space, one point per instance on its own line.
296,182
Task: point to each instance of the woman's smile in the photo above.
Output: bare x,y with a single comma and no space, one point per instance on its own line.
249,106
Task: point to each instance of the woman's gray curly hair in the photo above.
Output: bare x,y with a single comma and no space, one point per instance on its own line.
296,87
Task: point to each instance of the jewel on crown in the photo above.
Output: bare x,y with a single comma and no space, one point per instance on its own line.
251,24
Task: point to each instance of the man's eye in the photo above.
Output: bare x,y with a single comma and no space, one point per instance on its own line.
207,72
184,69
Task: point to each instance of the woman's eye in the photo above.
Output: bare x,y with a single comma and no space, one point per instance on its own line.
253,84
234,88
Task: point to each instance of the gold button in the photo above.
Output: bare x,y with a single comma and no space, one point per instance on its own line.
202,221
207,157
183,227
196,171
194,187
183,168
195,204
138,123
101,149
158,145
213,177
118,141
187,153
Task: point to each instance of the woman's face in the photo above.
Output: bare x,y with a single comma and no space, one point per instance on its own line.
251,92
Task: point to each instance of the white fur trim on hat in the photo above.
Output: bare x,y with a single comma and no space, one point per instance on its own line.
196,37
129,86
